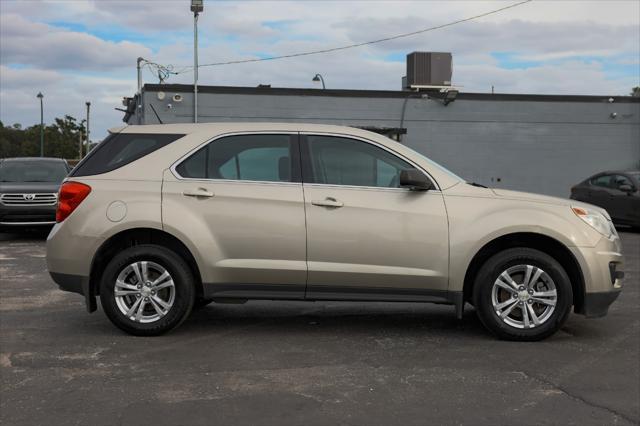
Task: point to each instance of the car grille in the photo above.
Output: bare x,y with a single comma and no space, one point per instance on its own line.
40,199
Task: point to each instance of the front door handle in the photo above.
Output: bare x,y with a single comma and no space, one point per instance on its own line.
328,202
200,192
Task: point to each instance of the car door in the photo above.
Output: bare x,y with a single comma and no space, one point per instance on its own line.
368,238
239,199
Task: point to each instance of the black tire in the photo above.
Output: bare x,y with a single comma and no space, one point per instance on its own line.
174,265
489,273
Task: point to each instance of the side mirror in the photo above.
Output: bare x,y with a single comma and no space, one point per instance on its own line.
626,188
416,180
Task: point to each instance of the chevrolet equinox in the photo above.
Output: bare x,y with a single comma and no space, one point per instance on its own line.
159,219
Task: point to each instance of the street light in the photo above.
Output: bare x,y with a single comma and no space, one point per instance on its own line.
197,6
317,78
88,104
40,96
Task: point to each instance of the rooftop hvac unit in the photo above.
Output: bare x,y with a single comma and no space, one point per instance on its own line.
429,69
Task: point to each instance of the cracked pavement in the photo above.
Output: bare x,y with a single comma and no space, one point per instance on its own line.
278,363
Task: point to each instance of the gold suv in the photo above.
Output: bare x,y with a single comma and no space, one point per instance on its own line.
160,219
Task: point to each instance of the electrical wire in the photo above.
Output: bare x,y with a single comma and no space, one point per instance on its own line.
351,46
162,72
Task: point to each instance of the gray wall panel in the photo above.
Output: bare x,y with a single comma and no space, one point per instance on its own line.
529,145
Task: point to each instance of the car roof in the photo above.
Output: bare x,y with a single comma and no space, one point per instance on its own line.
611,172
32,159
219,128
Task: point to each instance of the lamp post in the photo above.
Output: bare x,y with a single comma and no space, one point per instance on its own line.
40,96
197,6
88,111
319,78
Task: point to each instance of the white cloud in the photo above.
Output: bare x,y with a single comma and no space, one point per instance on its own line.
41,45
71,66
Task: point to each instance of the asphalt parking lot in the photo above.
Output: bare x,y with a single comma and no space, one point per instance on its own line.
283,363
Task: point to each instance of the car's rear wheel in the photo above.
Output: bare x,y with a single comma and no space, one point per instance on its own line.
147,290
522,294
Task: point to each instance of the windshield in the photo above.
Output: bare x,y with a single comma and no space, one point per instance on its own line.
32,171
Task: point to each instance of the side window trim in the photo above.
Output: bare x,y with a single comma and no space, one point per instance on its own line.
296,170
307,167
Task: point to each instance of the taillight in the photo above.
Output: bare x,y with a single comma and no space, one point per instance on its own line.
69,198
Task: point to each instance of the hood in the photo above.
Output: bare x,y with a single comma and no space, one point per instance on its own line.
505,194
29,187
528,196
539,198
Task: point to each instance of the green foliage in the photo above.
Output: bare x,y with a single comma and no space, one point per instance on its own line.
635,91
60,139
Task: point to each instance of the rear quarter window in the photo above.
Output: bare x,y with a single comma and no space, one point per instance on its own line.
121,149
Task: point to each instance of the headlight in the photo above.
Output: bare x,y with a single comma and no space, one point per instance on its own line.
596,220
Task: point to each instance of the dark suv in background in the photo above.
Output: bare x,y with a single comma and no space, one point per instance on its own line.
29,191
617,192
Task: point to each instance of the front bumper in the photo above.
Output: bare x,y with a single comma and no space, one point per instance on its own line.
602,273
597,304
27,215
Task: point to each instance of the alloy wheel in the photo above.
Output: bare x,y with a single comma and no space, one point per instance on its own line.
144,292
524,296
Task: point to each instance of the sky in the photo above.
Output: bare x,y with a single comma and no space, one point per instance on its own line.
76,51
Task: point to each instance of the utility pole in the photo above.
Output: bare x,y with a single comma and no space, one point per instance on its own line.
88,111
40,96
139,97
79,145
197,6
139,69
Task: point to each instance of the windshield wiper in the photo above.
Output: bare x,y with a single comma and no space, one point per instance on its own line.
479,185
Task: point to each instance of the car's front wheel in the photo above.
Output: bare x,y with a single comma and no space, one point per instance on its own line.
522,294
147,290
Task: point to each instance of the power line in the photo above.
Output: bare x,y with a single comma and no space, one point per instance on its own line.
351,46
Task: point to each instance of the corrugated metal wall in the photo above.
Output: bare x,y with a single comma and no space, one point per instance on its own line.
539,146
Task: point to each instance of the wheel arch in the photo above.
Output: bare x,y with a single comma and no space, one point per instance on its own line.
544,243
136,236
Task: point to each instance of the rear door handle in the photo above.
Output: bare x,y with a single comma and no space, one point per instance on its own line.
200,192
327,202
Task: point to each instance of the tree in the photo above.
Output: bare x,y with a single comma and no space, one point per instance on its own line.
636,92
60,139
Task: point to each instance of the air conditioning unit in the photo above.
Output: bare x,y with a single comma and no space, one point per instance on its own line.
429,69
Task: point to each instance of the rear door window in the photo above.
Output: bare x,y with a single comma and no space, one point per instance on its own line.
266,158
120,149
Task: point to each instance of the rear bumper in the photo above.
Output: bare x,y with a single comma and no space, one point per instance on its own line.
76,284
